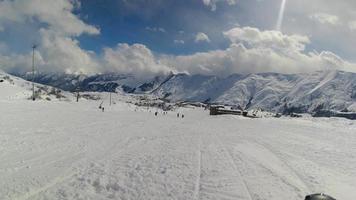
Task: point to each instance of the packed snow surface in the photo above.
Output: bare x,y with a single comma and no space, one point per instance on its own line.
69,150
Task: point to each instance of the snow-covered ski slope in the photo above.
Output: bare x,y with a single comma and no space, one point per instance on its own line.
69,150
14,88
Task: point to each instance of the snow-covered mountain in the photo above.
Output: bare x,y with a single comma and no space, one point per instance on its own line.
331,90
96,83
15,88
334,90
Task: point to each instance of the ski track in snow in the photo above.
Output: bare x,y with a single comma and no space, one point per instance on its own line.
197,182
236,168
74,151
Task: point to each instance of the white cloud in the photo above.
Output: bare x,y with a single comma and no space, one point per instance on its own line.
330,28
64,53
212,3
267,39
136,59
325,18
178,41
201,37
58,27
156,29
55,54
251,49
20,62
254,51
57,14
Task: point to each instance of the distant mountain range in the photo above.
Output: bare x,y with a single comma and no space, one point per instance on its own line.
300,93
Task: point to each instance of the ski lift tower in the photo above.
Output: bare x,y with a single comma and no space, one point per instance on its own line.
77,90
111,90
33,71
110,97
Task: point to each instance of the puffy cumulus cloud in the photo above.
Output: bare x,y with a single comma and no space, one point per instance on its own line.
325,18
327,22
134,59
64,54
58,27
251,50
58,47
255,51
58,53
267,39
57,14
201,37
212,3
19,62
55,54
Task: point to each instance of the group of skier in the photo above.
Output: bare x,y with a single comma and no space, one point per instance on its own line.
101,108
182,115
179,115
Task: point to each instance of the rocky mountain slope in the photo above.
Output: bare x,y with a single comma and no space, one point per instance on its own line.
331,90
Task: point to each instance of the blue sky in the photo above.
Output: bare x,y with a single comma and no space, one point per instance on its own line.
149,37
157,25
139,21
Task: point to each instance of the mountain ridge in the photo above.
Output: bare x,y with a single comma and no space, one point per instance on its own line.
302,93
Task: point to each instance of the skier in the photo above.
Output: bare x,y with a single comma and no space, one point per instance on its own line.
182,116
156,113
101,105
102,108
177,115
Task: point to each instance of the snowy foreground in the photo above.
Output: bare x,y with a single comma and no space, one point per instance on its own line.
61,150
68,150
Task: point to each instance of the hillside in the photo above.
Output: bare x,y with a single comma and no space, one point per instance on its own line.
331,90
334,90
15,88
